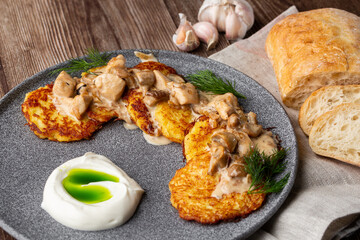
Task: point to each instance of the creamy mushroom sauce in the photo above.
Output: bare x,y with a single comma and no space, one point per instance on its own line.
237,131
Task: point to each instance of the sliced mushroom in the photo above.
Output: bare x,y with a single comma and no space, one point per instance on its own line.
203,108
219,158
224,109
251,116
225,104
244,144
117,66
80,104
161,80
242,116
154,96
110,86
131,82
81,88
226,139
251,127
145,57
233,121
146,78
214,119
237,169
252,130
183,93
175,78
266,143
64,85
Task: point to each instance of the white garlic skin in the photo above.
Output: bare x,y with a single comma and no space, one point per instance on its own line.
185,38
234,17
207,33
234,28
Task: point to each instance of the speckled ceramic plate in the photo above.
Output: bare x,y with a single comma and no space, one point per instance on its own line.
26,161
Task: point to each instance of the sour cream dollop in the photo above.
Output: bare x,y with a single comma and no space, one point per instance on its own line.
125,195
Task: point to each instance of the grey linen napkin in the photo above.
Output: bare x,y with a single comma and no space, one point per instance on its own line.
326,195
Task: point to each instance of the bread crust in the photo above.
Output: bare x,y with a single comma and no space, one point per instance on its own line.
328,138
326,99
312,49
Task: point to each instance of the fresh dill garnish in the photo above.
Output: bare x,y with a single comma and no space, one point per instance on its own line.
263,168
207,81
94,59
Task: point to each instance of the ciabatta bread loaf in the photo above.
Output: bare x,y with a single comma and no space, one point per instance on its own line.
312,49
324,100
336,134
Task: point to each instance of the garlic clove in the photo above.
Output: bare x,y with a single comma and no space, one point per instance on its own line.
185,37
235,27
220,12
245,11
207,33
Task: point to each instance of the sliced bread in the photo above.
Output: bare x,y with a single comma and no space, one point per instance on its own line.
336,134
324,100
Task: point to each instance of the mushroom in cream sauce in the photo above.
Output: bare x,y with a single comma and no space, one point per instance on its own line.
110,86
225,104
145,78
183,93
80,104
152,97
104,87
161,81
117,67
64,85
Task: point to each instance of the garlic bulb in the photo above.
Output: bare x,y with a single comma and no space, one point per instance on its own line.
185,37
234,17
207,33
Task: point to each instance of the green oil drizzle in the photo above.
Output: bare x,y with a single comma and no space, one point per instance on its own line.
77,177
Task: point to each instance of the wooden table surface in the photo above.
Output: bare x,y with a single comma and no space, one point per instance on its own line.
36,34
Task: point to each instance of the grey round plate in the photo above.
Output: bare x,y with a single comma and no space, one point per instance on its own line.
26,162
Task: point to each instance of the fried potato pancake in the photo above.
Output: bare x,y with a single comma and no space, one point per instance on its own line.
138,111
191,190
46,122
101,114
173,120
191,187
164,69
195,142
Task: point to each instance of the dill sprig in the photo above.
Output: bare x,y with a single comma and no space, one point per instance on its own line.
263,168
207,81
94,59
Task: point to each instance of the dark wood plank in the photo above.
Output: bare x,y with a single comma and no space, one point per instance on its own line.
5,236
144,25
4,88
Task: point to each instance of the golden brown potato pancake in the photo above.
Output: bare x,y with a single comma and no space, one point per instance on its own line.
101,114
191,187
173,120
195,142
138,111
191,190
46,122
